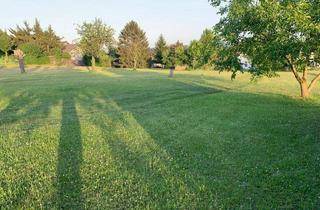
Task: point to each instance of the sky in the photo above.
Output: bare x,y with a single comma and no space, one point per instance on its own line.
182,20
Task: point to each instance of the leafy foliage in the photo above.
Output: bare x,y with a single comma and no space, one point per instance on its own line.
177,55
102,60
273,34
50,40
29,59
95,37
22,34
32,49
202,53
133,46
5,42
34,54
180,53
209,46
45,39
161,50
194,54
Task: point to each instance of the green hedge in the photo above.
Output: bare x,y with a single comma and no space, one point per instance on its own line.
103,60
36,60
11,59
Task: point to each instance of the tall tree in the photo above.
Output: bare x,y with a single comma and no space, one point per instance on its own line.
133,46
95,37
5,44
161,50
37,32
203,52
22,34
45,39
208,43
195,54
180,53
50,40
273,34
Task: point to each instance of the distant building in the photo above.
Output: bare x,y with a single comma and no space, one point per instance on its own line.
312,60
157,66
245,62
75,52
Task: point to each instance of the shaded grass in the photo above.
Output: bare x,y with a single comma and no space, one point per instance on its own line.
69,158
137,140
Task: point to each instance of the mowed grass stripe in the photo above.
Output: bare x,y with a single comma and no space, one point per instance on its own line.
120,139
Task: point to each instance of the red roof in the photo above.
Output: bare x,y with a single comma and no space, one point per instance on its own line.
69,47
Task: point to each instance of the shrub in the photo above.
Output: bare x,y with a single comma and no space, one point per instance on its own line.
11,59
66,56
104,60
56,52
32,49
87,60
29,59
58,56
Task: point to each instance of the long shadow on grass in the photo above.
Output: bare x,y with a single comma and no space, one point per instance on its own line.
252,150
24,113
150,176
155,179
179,145
69,158
240,146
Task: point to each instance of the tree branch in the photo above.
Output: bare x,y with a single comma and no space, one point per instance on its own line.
305,73
314,82
293,68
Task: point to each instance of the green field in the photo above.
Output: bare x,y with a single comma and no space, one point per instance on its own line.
122,139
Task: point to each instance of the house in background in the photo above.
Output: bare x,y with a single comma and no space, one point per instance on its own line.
75,52
245,62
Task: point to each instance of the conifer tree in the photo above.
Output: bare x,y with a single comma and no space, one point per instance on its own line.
133,46
5,44
161,50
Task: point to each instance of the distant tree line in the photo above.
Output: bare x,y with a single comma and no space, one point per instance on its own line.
99,47
38,44
270,35
132,49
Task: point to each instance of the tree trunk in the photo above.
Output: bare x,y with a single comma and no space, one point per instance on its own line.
6,58
171,72
21,65
303,81
93,63
134,64
305,93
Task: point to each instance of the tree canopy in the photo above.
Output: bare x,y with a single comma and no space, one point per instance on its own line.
194,54
133,46
5,43
161,50
201,53
22,34
273,34
47,39
95,37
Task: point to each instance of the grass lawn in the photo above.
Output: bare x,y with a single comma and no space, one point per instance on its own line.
121,139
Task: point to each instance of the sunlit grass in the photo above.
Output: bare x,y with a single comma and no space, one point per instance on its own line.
121,139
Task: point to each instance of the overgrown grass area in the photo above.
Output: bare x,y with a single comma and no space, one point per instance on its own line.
120,139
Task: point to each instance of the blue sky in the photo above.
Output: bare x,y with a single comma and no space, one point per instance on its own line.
182,20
